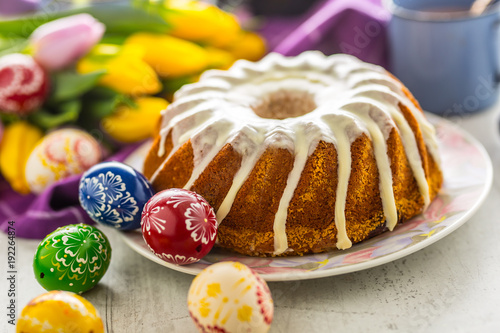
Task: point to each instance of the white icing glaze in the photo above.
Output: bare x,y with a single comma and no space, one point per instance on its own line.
344,126
305,136
245,144
379,125
352,98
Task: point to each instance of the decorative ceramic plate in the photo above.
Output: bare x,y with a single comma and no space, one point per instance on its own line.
468,175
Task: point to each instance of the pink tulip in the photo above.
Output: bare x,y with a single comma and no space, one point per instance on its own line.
60,43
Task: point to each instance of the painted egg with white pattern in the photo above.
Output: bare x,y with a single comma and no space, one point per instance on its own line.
230,297
24,84
60,154
179,226
59,311
72,258
114,194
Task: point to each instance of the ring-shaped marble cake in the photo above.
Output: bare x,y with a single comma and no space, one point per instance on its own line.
299,154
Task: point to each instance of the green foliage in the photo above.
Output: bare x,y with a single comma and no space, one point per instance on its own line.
12,45
69,85
172,85
7,118
99,103
63,113
119,20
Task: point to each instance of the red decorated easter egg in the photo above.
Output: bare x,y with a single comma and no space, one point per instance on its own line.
23,84
179,226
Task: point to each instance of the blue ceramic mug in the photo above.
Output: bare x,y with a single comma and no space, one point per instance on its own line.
448,58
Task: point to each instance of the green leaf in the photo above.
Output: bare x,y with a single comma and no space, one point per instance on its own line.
8,118
12,45
67,113
117,39
153,7
173,85
103,92
126,100
100,102
100,108
119,19
71,85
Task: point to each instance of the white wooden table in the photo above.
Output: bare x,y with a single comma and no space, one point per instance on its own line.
450,286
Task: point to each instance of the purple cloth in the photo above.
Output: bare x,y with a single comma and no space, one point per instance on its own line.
333,26
58,205
16,7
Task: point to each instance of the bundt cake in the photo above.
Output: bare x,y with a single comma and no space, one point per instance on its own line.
298,154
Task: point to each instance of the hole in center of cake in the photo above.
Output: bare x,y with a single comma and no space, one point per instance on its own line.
284,104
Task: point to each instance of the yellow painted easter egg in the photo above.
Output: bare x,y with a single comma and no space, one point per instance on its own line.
230,297
60,154
59,311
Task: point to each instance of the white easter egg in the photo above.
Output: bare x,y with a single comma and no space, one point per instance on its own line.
230,297
58,155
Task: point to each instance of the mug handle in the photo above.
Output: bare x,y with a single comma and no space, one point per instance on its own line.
496,28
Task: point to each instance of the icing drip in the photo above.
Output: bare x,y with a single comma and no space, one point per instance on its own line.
345,129
303,142
387,100
251,153
206,144
352,98
376,122
247,164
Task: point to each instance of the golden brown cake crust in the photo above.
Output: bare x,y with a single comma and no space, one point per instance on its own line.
311,221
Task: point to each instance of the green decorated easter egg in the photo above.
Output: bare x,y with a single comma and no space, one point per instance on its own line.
72,258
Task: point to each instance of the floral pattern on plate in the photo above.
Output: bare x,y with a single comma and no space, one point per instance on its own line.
468,175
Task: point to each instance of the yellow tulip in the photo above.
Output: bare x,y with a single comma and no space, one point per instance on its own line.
171,57
126,71
201,22
219,59
128,124
18,141
248,45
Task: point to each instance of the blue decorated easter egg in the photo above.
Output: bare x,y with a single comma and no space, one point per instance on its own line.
114,194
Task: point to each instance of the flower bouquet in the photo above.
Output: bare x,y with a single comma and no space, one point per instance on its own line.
84,84
76,85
